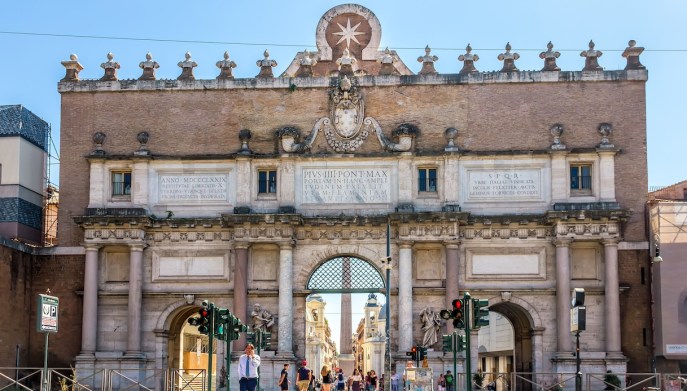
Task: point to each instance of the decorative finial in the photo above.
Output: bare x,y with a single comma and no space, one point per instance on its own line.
556,131
508,59
266,66
387,60
549,57
225,67
591,62
605,130
468,60
72,68
244,136
98,140
142,138
428,62
187,68
149,66
450,134
306,62
632,54
110,68
347,63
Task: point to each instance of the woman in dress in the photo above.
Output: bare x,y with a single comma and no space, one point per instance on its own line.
284,378
356,381
373,380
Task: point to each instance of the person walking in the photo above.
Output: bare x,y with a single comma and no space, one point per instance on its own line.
303,377
326,378
449,380
340,381
355,381
395,380
248,369
373,380
441,383
284,381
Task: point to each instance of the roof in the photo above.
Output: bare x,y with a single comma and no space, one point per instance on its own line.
16,120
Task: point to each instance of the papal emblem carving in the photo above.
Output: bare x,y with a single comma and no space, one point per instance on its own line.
347,112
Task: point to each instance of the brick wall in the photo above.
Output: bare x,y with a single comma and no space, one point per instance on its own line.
635,309
26,276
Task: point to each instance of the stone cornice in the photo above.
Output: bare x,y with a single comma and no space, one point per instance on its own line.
528,77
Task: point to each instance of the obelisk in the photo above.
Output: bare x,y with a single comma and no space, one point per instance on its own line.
346,359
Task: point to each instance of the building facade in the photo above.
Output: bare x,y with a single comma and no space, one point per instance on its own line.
668,225
516,186
23,178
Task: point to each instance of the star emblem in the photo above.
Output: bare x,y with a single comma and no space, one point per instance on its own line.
348,33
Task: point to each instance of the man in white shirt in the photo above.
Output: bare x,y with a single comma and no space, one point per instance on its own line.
248,369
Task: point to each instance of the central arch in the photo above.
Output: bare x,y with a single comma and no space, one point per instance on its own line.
346,274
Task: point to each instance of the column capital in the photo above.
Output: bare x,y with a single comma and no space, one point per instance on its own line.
137,246
562,242
405,244
610,241
452,243
242,245
289,245
91,246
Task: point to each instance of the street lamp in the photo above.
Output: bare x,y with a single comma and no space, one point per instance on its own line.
387,343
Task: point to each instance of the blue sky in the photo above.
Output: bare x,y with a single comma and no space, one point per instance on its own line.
30,66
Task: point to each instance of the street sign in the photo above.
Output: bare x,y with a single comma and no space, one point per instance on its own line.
578,319
46,318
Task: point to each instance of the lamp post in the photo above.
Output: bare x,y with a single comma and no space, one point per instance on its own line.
387,345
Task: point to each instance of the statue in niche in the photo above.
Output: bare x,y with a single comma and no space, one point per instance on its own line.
315,315
431,323
262,319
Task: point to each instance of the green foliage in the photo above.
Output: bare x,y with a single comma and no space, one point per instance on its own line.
478,379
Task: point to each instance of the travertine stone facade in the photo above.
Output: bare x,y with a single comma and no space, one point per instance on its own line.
294,172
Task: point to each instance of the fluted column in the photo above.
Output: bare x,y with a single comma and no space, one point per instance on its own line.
563,295
133,342
285,299
405,297
89,321
240,305
612,297
452,262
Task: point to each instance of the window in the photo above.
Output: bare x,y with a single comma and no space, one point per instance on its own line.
581,178
267,182
427,180
121,183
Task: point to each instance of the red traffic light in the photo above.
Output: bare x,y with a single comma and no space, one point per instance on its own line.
457,304
413,349
203,312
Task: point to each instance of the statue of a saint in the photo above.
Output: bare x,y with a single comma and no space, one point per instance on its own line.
431,323
262,319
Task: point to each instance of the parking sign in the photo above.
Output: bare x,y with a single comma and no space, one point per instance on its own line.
46,318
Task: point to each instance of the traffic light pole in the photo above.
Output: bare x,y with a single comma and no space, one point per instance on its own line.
228,357
258,347
454,341
578,374
468,351
211,341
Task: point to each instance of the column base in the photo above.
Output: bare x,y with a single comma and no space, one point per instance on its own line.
347,362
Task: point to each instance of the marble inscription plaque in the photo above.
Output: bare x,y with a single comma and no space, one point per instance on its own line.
346,185
192,187
499,185
516,264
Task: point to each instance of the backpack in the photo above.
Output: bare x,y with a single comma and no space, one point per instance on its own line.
448,379
341,377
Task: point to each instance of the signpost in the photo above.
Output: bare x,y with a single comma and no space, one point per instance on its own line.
46,322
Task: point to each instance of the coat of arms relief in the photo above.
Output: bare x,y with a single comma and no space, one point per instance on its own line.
346,128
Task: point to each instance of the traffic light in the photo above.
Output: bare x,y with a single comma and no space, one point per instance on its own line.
235,328
223,316
447,343
203,319
423,352
266,340
457,313
412,353
480,312
250,338
219,331
460,343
